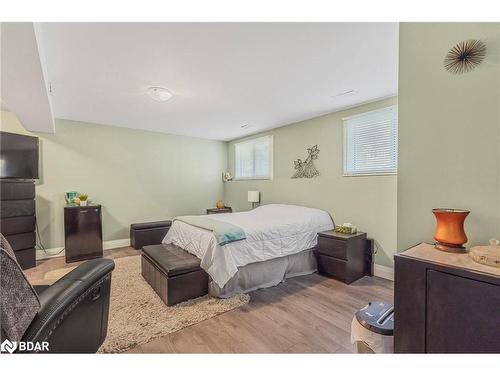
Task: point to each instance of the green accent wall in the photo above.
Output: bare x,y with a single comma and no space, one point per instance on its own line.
369,202
137,176
449,132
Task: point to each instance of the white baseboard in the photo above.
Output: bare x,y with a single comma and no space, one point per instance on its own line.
106,245
49,253
59,252
383,272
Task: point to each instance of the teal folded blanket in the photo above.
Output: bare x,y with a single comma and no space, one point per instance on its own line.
224,232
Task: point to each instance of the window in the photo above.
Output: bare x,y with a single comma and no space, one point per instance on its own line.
371,143
254,158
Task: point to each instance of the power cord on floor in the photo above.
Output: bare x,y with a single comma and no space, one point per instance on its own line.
40,244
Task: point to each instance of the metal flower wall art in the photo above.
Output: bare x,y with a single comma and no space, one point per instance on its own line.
465,56
306,168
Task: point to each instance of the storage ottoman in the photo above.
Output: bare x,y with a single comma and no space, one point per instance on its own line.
173,273
142,234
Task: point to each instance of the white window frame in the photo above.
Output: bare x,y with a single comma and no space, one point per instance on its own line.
271,151
370,173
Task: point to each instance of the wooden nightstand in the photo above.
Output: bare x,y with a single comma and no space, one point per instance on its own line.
225,210
345,257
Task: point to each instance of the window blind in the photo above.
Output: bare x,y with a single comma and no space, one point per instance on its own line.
254,158
371,142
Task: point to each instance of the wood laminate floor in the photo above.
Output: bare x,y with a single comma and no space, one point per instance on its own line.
306,314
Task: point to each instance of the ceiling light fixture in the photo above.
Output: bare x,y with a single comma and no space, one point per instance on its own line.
160,94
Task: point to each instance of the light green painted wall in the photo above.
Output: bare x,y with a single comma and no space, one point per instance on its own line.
368,202
10,123
449,132
136,175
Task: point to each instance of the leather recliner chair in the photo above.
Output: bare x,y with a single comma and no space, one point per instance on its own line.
73,316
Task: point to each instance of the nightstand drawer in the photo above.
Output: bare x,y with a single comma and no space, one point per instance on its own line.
225,210
333,267
332,247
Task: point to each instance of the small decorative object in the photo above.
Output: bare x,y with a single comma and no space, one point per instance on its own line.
220,204
226,176
488,255
306,168
450,235
346,228
254,198
83,199
465,56
70,197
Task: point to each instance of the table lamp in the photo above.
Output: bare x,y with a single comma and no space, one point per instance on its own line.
254,197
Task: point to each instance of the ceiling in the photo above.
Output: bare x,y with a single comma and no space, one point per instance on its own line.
223,75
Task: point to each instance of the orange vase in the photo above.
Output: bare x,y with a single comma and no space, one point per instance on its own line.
450,234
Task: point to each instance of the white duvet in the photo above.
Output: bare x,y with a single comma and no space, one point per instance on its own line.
272,231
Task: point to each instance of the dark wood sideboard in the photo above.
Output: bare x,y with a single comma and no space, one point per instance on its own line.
18,220
445,303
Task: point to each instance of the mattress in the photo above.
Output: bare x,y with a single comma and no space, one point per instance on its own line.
272,231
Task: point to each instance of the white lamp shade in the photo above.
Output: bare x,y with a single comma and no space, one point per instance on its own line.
253,196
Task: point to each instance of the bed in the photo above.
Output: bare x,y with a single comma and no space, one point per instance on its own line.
278,243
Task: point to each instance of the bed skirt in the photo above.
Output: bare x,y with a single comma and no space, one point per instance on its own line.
265,274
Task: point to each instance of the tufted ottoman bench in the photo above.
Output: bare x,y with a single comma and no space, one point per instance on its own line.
173,273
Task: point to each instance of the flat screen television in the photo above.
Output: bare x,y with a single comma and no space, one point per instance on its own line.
18,156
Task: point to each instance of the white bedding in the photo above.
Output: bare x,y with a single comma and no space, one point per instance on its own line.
272,231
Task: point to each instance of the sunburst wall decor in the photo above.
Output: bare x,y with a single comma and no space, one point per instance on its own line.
465,56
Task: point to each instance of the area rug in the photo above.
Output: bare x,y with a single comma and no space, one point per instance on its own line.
137,315
52,276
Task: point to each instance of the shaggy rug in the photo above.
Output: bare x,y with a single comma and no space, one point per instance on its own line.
137,315
52,276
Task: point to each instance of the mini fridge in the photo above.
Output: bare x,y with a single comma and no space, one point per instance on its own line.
82,232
